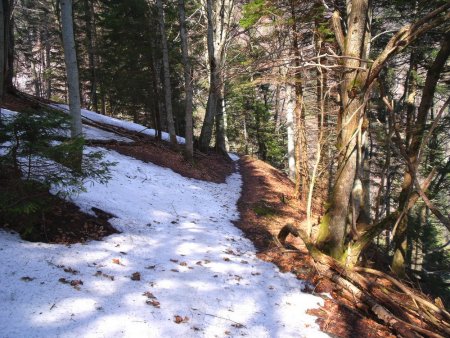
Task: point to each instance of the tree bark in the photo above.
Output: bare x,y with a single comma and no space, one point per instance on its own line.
417,134
4,47
333,227
90,37
166,71
219,19
211,105
189,145
70,59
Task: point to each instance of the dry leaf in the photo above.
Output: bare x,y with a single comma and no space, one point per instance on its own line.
179,319
136,276
153,302
27,279
148,294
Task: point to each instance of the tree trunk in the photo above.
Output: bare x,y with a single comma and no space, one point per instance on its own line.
70,59
90,37
290,107
9,26
221,143
4,47
189,145
166,71
219,20
211,105
333,227
417,134
301,148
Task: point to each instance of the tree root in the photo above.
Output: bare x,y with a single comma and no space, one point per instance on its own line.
364,290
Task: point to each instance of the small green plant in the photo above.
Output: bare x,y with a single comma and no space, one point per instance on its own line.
264,209
36,155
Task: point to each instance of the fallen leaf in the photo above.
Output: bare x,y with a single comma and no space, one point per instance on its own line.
27,279
116,261
63,280
174,260
148,294
179,319
153,302
136,276
76,282
183,264
72,271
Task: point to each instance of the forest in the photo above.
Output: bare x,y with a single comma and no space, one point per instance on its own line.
349,99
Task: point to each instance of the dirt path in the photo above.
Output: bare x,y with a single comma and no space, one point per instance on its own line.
265,206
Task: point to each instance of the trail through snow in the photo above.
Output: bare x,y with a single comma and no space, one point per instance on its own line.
178,259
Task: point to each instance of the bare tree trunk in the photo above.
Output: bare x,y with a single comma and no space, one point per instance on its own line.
219,21
4,47
211,105
221,144
9,27
70,59
301,148
91,37
433,74
47,63
290,107
333,227
189,145
166,71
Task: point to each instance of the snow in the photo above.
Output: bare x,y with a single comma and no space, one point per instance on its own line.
89,132
90,115
178,234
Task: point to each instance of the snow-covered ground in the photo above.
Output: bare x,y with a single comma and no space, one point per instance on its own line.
93,116
178,269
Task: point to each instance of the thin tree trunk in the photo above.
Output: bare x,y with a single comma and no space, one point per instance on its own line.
432,78
90,37
9,27
221,144
70,59
4,47
47,45
301,148
189,144
211,105
166,71
290,97
333,227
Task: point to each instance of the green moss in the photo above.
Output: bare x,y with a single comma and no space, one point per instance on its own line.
324,230
263,209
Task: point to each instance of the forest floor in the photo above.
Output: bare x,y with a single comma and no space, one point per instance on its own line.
265,205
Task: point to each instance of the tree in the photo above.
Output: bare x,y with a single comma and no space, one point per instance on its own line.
70,58
189,146
166,72
356,88
413,148
7,47
4,47
220,18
